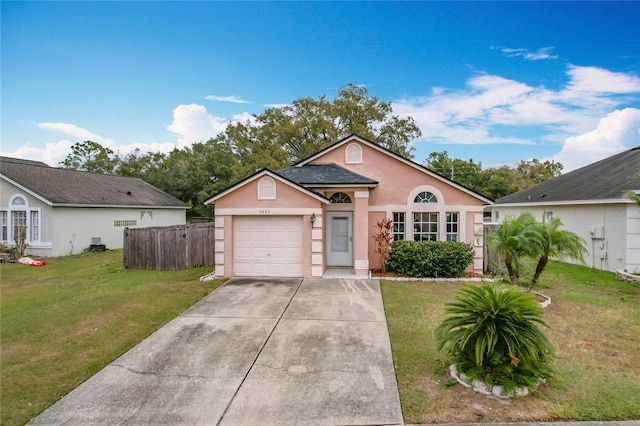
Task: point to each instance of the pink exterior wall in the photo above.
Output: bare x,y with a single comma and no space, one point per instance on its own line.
398,183
289,200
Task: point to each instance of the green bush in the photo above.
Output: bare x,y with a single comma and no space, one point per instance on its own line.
492,334
436,259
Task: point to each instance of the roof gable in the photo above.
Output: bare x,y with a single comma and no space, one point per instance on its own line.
355,138
603,180
63,187
266,172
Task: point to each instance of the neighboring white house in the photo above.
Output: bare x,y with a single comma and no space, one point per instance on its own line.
591,202
67,211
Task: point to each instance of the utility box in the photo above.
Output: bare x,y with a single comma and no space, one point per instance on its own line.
597,232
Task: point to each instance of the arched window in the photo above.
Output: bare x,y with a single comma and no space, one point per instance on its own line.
18,201
266,188
353,154
340,198
425,198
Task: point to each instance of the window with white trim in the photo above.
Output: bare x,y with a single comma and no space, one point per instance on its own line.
353,154
425,226
34,229
266,188
425,197
398,226
340,198
5,225
452,226
19,219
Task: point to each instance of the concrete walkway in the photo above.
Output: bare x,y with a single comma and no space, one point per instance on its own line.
253,352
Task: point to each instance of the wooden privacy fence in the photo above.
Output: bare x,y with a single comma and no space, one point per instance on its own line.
169,248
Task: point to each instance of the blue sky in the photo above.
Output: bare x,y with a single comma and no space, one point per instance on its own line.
497,82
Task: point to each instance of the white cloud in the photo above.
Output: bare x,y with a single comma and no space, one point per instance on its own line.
494,109
618,131
277,105
599,80
77,133
542,53
52,154
232,99
194,124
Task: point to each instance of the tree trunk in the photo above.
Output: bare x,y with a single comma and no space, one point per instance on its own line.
539,268
513,276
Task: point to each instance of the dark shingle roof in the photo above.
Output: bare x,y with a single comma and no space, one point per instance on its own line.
324,174
71,187
604,180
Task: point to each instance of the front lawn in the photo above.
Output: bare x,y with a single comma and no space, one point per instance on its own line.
594,327
63,322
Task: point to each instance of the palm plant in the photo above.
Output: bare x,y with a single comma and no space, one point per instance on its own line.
493,334
635,197
556,242
514,239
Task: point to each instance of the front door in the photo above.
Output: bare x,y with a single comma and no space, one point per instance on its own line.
339,238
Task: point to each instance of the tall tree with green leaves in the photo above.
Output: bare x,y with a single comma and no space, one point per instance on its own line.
281,136
556,242
90,156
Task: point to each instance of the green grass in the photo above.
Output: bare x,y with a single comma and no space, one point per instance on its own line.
594,327
63,322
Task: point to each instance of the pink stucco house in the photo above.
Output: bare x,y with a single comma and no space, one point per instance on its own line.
320,214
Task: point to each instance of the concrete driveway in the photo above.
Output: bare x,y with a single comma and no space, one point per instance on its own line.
253,352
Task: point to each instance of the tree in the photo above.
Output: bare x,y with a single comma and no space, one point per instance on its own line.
90,156
493,182
514,239
140,165
635,197
195,173
280,136
467,173
556,242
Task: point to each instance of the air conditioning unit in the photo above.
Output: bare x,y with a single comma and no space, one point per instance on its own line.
96,240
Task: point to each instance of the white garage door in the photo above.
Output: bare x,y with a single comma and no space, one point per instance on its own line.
268,246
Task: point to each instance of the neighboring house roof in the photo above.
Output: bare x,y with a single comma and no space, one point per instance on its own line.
63,187
607,179
397,157
325,174
277,176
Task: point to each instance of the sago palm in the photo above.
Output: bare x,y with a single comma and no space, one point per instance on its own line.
493,334
556,242
514,239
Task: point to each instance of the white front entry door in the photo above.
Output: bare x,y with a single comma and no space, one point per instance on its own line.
339,238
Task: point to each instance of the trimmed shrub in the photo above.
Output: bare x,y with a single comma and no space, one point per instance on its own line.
435,259
493,335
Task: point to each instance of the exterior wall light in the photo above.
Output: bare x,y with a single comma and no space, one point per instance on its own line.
313,219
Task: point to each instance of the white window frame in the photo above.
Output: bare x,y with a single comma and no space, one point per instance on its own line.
267,188
399,226
8,218
450,224
353,154
431,235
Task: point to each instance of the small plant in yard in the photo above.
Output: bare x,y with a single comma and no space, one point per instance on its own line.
383,238
493,335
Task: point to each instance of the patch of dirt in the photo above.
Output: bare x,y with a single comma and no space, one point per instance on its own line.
457,404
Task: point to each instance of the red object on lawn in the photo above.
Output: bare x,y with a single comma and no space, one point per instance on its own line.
38,263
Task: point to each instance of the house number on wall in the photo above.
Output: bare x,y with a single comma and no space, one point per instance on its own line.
264,211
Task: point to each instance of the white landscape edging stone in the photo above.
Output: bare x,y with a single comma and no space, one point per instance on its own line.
482,387
433,280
